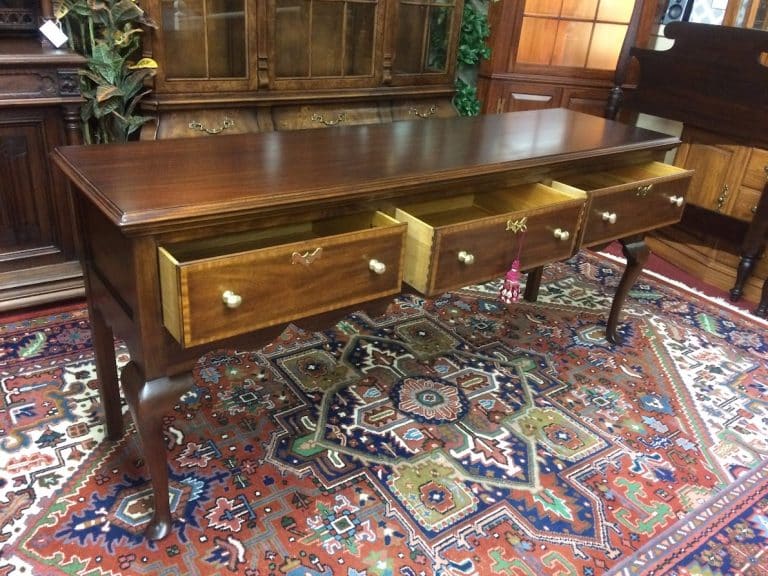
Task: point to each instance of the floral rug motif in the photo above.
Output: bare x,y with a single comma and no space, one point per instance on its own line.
450,436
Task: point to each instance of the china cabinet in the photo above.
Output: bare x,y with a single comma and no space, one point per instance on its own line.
232,66
39,110
559,53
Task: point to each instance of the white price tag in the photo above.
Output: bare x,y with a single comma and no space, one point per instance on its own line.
54,34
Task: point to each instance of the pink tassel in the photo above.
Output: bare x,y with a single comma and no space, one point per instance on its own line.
510,290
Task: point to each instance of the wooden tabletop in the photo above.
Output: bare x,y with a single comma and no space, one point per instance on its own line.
145,183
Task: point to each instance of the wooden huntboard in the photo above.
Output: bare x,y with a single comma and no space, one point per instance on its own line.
194,243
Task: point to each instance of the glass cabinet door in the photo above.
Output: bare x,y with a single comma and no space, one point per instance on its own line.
573,33
203,44
333,41
424,39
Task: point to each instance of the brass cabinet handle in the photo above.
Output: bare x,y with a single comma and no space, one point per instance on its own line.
466,258
561,234
376,266
722,198
225,125
676,200
643,191
609,217
307,258
230,299
520,225
754,209
412,111
342,116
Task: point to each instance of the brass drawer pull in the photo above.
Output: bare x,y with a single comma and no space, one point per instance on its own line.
466,258
561,234
516,226
676,200
226,124
307,258
339,119
376,266
412,111
643,191
722,198
754,209
609,217
230,299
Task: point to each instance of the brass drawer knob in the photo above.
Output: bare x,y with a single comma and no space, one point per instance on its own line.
230,299
466,258
376,266
609,217
561,234
676,200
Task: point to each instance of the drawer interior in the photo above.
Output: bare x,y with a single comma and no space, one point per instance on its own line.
475,206
622,176
229,244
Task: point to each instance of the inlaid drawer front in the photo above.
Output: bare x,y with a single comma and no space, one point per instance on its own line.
325,115
235,284
629,200
470,238
205,123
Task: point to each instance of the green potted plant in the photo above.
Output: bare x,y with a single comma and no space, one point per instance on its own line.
472,49
107,33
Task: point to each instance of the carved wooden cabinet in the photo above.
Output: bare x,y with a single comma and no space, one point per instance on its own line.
244,66
39,110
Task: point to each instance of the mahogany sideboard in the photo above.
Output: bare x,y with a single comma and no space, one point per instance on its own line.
195,243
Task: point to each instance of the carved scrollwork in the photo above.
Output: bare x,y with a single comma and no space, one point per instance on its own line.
69,83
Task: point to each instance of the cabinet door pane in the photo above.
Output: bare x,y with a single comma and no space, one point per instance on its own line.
324,38
291,34
584,9
205,38
423,36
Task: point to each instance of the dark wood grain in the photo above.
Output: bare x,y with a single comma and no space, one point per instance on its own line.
141,183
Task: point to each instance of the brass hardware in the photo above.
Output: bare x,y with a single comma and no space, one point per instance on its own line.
676,200
754,209
412,111
609,217
307,258
230,299
561,234
342,116
225,125
516,226
376,266
722,198
466,258
643,191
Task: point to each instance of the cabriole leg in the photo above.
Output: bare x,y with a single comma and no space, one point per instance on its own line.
149,401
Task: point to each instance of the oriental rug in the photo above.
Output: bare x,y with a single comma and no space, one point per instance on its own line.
451,436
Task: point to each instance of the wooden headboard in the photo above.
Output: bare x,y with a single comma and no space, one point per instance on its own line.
712,78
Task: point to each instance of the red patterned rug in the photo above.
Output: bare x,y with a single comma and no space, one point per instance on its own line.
451,436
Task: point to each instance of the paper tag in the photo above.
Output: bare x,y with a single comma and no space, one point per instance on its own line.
54,34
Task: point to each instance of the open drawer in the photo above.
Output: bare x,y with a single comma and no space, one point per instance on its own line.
629,200
233,284
471,238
